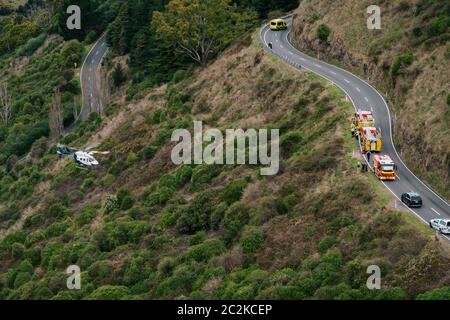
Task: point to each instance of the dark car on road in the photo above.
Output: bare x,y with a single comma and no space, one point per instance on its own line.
412,200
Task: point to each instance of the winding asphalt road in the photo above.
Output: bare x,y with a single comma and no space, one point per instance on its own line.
90,79
363,97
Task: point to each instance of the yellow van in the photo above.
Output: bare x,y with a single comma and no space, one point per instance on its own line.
278,24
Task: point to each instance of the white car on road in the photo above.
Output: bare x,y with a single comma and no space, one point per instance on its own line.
441,225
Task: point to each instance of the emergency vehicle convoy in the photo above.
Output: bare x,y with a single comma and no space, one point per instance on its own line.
364,129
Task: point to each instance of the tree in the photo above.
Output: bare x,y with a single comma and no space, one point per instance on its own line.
201,28
119,33
263,7
91,18
55,117
5,103
118,75
323,31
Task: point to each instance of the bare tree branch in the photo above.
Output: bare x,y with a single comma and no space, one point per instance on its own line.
5,103
56,118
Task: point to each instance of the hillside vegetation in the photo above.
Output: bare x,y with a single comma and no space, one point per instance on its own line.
142,228
407,59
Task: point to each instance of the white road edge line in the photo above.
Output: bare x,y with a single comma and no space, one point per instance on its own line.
435,211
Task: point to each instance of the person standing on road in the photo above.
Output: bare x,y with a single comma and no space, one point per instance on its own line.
270,45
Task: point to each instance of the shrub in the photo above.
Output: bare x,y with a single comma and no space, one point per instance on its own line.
21,279
197,238
17,250
26,266
72,52
91,37
394,294
179,283
39,148
233,192
42,293
85,215
438,26
196,216
122,194
89,182
159,197
137,212
436,294
117,167
326,243
149,152
417,32
252,240
301,104
32,45
109,293
127,203
404,59
315,16
56,229
99,270
183,175
166,265
111,203
323,32
75,196
179,75
206,250
35,237
290,143
202,175
158,116
235,218
218,214
168,181
58,211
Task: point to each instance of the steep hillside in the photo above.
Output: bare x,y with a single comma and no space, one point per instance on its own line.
407,59
140,227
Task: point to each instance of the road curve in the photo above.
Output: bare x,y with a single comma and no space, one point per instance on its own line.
90,79
364,97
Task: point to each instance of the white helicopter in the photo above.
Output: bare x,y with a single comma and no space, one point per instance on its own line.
82,158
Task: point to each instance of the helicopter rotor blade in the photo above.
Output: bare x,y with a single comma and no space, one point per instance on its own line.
99,152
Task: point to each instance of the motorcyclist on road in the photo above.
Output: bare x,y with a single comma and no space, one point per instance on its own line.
270,45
